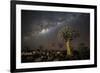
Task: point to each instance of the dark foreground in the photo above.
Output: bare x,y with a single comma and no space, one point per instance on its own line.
53,55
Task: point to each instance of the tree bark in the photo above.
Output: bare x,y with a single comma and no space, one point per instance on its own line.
68,47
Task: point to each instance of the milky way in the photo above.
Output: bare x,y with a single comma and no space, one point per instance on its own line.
40,28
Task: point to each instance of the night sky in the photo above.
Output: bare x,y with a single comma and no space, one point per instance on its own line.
40,28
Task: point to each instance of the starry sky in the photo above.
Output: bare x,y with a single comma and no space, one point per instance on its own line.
40,28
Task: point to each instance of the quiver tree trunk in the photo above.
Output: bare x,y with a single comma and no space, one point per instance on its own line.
69,47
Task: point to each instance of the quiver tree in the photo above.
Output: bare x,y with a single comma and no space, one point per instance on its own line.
68,34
